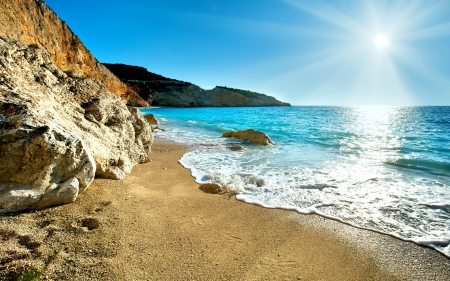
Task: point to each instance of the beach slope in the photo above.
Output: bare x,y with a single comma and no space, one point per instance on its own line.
157,225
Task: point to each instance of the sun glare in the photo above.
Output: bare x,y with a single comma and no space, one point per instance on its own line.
378,52
381,41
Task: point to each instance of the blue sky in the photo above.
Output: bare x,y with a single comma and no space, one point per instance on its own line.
300,51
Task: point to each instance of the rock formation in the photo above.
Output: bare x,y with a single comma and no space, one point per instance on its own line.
159,90
58,130
237,148
212,188
33,22
151,119
250,135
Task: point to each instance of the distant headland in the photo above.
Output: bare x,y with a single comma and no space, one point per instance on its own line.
162,91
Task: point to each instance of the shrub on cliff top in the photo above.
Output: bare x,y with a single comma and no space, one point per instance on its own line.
31,275
246,93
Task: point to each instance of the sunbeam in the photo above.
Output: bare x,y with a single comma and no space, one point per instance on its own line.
378,52
329,13
428,32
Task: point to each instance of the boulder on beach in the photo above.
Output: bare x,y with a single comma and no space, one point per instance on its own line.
250,135
151,119
58,131
211,188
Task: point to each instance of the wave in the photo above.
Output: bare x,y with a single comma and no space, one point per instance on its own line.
432,167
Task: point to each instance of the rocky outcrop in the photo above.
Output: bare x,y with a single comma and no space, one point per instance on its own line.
33,22
58,130
250,135
159,90
151,119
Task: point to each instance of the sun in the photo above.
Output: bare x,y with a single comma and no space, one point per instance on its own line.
381,41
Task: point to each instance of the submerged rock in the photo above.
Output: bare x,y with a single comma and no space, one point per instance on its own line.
237,148
250,135
158,129
58,132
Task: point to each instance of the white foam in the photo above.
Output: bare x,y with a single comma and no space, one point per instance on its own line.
333,192
196,122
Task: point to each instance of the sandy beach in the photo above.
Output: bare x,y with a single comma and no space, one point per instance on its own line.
156,224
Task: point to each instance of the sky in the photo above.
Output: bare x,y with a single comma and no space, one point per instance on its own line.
322,52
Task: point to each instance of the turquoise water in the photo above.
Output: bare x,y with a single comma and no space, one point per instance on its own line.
380,168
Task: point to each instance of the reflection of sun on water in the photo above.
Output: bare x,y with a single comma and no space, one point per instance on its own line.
377,127
369,141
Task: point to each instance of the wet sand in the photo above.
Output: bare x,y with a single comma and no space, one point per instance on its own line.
156,224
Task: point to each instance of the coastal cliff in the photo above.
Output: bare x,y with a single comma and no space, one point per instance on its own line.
33,22
159,90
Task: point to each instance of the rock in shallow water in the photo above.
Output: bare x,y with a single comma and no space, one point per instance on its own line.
237,148
250,135
151,119
57,132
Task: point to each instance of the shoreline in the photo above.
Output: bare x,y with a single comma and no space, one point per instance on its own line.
337,219
156,224
421,243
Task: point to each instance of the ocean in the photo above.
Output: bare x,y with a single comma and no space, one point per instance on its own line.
385,169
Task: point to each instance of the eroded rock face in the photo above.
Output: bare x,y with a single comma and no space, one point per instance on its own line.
57,131
250,135
33,22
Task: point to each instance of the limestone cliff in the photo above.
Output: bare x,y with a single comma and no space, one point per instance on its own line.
59,130
33,22
159,90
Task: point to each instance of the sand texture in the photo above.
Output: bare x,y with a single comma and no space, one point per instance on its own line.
156,224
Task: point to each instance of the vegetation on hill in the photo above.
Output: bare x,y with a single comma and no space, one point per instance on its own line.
129,72
144,82
246,93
